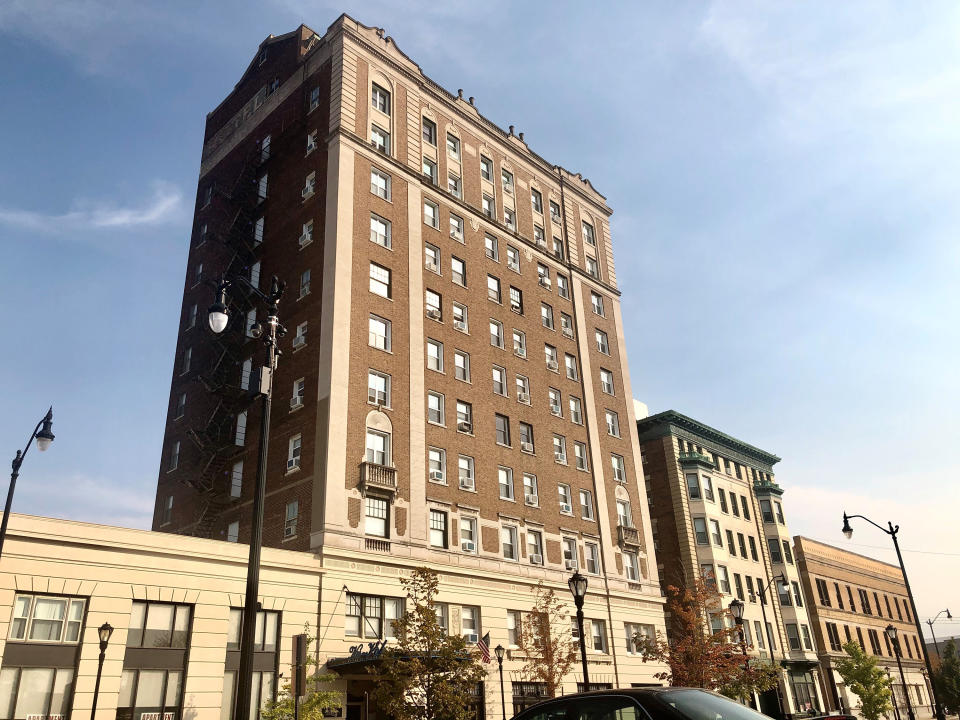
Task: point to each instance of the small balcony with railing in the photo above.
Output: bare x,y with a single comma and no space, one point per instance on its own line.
373,476
628,536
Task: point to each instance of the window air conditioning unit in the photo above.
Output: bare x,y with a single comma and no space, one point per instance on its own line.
566,508
468,546
433,313
536,559
552,365
470,637
459,325
555,410
436,475
543,281
531,499
519,352
296,402
560,457
464,427
567,332
306,192
289,531
466,483
570,564
526,447
431,265
523,397
299,341
293,463
515,306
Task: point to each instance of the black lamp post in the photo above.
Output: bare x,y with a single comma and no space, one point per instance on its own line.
891,632
44,437
105,631
578,588
930,622
218,318
892,531
499,650
893,695
736,610
762,592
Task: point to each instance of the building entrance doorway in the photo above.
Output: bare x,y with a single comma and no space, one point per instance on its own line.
770,704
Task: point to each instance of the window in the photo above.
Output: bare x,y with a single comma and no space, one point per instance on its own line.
174,456
592,268
606,381
262,188
240,435
526,438
787,555
236,480
745,506
738,587
797,596
290,519
793,636
38,618
603,344
380,99
502,434
519,344
508,540
513,258
465,471
378,388
779,510
486,168
309,186
613,423
293,453
766,511
304,283
380,139
707,488
488,206
774,546
566,325
536,199
693,486
429,132
380,230
580,455
311,142
458,270
460,320
375,520
192,317
379,183
530,494
435,408
36,691
588,236
185,363
493,288
299,390
438,529
516,300
430,171
753,549
565,499
453,146
624,516
543,275
513,627
571,364
468,534
560,449
570,554
554,211
586,504
251,322
523,389
379,280
619,469
723,577
435,355
258,231
437,465
306,234
591,552
700,531
470,623
233,532
546,316
715,533
314,98
496,334
708,575
464,417
507,178
576,416
461,365
553,396
431,214
732,549
379,333
499,380
535,546
456,227
597,302
558,250
370,616
563,288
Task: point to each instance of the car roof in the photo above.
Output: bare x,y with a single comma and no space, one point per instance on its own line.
636,692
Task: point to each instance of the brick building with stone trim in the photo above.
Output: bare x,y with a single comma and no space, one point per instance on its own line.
471,283
717,512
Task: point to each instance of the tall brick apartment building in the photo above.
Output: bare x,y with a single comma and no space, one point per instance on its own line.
453,389
717,512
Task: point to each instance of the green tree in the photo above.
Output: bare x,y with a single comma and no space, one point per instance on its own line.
426,674
695,656
545,640
862,676
313,703
947,678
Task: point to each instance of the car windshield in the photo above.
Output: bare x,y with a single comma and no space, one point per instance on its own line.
700,705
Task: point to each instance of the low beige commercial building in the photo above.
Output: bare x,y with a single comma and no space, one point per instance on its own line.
854,598
175,603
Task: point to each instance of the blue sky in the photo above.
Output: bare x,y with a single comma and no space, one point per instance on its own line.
784,180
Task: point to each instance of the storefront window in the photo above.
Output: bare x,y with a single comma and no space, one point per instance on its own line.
34,691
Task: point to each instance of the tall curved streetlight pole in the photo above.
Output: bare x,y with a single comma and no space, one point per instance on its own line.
44,437
892,531
930,622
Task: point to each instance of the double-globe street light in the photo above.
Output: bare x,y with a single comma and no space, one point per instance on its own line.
218,318
891,632
44,437
578,588
892,531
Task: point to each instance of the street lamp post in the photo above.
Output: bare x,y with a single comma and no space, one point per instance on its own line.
893,695
892,531
105,631
891,632
578,588
761,591
736,610
930,622
44,437
499,650
218,318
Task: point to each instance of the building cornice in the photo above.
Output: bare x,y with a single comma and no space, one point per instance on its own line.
670,422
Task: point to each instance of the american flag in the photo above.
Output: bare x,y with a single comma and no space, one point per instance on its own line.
484,646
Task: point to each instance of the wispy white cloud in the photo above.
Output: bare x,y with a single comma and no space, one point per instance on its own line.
165,205
89,499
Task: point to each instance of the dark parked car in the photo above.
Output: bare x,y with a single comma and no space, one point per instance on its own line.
641,704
